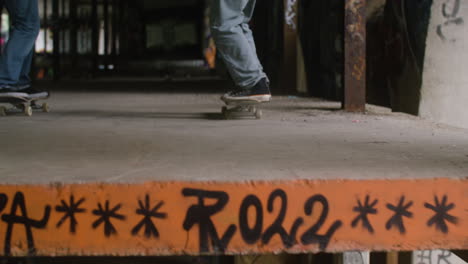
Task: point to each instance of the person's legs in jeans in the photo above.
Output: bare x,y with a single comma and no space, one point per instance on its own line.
25,79
248,13
15,62
234,41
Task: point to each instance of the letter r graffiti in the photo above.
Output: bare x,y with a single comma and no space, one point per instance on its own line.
201,214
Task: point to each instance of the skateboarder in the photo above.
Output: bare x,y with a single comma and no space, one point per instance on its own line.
235,43
15,62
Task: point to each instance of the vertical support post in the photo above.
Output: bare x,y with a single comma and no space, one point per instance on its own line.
289,75
1,11
61,18
106,34
73,33
122,8
46,26
392,258
115,26
268,259
95,36
56,38
405,257
355,56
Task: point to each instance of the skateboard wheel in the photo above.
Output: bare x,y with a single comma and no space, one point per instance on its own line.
28,110
2,111
258,114
225,112
45,108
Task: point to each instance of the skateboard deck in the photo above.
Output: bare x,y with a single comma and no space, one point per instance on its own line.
240,109
21,104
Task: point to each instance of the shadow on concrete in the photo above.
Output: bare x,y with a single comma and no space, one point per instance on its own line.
134,115
193,87
316,108
295,108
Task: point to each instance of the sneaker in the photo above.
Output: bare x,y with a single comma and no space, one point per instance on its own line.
259,93
33,93
9,91
22,86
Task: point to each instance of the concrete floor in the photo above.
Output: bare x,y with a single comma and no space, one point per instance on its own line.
142,136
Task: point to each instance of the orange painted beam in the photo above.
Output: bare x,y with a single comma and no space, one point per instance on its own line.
254,217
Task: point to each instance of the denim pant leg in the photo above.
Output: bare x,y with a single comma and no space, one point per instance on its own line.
24,78
15,62
230,30
248,13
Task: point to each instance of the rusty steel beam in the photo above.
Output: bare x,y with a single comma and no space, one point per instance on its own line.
354,99
176,218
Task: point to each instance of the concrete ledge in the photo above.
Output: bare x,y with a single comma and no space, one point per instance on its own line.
147,173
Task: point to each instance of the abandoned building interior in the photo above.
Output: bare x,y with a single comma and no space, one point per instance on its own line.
360,157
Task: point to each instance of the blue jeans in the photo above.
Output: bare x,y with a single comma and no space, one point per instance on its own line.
15,62
234,40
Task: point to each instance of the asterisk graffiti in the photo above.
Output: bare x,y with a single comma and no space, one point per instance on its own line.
148,213
70,210
401,210
442,216
105,217
364,211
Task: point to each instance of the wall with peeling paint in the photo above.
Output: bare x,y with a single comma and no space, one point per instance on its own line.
444,93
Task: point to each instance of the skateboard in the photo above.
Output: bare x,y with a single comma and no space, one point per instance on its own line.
21,104
238,109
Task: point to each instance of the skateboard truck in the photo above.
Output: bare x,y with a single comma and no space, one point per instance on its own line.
44,107
242,109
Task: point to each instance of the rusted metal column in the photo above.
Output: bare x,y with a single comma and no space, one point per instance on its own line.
355,56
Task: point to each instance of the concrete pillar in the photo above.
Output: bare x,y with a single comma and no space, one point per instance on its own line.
444,93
